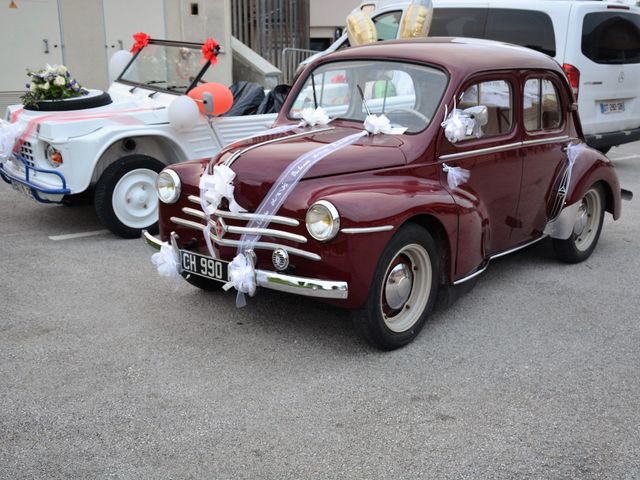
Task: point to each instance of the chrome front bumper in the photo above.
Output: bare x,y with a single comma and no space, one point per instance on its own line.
307,287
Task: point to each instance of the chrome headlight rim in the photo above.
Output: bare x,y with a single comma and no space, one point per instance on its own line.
170,175
333,214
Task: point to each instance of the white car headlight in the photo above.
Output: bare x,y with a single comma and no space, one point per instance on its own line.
168,186
323,221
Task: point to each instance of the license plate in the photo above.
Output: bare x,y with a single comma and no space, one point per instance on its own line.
23,189
204,266
611,107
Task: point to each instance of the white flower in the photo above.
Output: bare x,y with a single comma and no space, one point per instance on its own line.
33,87
61,70
45,86
59,81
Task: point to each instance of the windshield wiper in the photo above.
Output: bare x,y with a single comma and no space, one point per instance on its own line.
154,82
177,87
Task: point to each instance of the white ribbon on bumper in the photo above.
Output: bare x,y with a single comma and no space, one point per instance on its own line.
281,189
167,262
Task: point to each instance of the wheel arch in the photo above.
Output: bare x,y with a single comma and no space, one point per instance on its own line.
439,234
602,173
162,148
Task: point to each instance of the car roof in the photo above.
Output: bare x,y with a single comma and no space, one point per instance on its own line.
463,55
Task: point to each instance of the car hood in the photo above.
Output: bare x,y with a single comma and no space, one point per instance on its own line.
259,165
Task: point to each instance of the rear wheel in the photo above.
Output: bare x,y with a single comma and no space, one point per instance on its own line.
403,291
586,229
125,196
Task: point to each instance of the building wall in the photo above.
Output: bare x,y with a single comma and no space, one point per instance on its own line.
327,16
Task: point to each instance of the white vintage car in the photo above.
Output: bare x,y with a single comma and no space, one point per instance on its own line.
112,145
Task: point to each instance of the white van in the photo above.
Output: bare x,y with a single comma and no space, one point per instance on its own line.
596,42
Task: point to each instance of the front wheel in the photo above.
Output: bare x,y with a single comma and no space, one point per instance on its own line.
125,196
403,291
586,229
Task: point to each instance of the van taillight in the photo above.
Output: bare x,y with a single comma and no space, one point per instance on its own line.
573,74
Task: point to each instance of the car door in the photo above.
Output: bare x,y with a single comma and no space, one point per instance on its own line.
544,141
489,198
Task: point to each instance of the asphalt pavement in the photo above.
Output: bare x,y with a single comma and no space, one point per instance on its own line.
109,371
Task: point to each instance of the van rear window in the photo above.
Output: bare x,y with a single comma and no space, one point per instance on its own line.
521,27
611,37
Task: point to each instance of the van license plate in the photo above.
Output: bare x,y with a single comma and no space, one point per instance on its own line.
611,107
204,266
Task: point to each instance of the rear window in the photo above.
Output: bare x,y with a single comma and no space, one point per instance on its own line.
527,28
611,37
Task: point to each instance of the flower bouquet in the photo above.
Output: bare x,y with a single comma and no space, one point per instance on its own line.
51,83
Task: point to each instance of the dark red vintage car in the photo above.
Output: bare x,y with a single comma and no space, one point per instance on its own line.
490,159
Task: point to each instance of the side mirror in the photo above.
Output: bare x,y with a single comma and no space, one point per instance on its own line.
479,114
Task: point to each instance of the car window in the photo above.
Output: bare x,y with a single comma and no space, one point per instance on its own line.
407,94
387,25
611,37
458,22
497,96
528,28
542,107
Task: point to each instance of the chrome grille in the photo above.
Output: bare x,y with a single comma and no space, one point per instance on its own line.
195,217
27,153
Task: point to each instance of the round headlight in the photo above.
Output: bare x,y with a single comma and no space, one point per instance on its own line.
53,156
323,221
168,186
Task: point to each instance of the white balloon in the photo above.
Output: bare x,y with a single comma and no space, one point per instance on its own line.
183,113
118,61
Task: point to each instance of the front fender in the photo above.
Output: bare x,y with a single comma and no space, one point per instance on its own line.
377,201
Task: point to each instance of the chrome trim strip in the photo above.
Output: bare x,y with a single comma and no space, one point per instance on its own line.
473,275
515,249
292,222
542,141
480,151
264,231
231,160
187,223
355,230
307,287
483,267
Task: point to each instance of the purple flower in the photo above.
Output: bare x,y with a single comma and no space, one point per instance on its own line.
28,85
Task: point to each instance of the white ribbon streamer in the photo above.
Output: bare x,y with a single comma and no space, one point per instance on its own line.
167,262
282,188
455,175
9,134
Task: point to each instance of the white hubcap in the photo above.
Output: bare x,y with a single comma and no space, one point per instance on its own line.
134,198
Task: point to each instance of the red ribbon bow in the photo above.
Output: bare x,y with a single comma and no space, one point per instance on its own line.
141,41
210,51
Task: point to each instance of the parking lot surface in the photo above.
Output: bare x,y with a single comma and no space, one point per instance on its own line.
109,371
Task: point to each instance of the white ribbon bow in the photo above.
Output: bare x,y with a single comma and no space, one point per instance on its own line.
458,125
167,262
213,188
312,117
9,133
375,124
242,277
456,175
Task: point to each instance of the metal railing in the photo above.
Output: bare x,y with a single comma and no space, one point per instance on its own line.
291,58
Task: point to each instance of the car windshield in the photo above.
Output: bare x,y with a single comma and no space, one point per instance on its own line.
407,94
165,66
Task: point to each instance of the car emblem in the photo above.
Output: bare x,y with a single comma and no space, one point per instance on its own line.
220,230
621,77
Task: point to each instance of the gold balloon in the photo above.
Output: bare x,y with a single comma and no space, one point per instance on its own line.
361,29
417,19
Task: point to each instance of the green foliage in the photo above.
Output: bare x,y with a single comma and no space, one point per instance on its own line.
51,83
